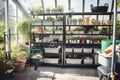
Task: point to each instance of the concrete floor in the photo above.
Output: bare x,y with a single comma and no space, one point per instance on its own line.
56,73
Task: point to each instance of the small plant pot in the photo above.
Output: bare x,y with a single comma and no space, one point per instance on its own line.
58,22
47,22
58,31
74,23
36,23
96,32
20,66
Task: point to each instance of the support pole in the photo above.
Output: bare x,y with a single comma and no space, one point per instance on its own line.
113,63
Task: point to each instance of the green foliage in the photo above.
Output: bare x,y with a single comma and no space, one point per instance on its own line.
59,18
50,19
80,28
37,10
24,28
118,3
118,28
4,64
2,29
19,52
60,7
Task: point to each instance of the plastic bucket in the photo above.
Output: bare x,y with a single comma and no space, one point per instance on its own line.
107,43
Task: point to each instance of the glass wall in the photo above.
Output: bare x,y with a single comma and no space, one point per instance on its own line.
2,10
14,16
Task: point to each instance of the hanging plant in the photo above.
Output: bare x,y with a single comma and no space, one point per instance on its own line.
24,28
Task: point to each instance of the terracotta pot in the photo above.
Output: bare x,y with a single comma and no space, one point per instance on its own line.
20,66
40,29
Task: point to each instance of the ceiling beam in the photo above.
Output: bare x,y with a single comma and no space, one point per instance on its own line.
20,6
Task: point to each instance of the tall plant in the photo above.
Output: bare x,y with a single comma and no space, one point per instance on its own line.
24,28
2,29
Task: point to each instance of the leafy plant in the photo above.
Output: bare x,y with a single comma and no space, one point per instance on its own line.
2,29
95,29
60,8
37,10
48,10
59,18
24,28
50,19
81,28
93,21
4,65
19,52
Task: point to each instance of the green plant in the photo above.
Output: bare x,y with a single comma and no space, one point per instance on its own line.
95,29
37,10
37,19
93,21
4,65
2,29
24,28
19,52
59,18
118,29
74,20
80,20
48,10
50,19
80,28
60,7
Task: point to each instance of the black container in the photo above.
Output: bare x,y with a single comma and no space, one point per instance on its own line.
99,8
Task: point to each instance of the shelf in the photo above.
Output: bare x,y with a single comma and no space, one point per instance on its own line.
90,13
88,34
89,25
76,13
47,33
62,35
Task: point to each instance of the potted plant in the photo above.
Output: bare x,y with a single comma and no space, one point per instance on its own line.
109,22
5,65
48,21
74,21
88,40
24,28
60,8
19,57
58,21
37,21
79,30
48,10
80,21
37,10
95,30
93,21
54,10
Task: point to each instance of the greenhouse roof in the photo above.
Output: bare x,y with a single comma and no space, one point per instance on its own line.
75,5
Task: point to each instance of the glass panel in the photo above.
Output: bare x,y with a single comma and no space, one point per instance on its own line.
49,3
2,11
88,4
28,4
12,8
76,5
64,3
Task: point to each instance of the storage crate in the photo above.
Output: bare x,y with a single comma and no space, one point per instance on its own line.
104,60
52,50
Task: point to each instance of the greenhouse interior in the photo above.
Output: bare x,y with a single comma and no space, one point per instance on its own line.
59,40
